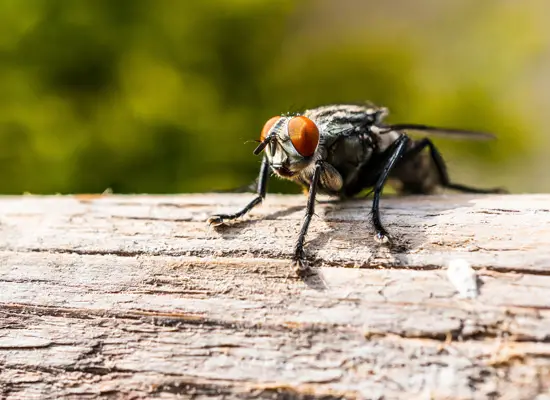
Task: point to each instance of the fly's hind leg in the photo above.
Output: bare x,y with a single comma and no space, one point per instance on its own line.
220,219
442,169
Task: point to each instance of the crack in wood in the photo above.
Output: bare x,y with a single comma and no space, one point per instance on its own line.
497,329
201,256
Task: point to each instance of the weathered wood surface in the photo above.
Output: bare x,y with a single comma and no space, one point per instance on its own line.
135,297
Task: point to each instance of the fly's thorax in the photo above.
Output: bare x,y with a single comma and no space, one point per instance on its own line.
292,144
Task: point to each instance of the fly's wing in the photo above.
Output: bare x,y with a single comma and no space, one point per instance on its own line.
250,188
447,132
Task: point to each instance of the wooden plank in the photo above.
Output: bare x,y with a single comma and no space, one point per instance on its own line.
497,232
135,296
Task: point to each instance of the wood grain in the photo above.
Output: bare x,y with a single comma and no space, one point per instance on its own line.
136,297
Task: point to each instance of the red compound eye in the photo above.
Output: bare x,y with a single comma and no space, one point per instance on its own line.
268,125
304,135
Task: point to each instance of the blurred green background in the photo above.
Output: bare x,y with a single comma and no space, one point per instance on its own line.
164,96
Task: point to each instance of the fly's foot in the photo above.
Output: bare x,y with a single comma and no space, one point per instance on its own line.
383,238
499,191
301,266
217,220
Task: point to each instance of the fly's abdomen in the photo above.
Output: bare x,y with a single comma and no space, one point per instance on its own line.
416,175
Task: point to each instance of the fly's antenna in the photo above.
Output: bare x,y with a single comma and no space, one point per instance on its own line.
263,144
272,126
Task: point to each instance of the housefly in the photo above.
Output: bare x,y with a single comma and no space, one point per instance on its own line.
343,149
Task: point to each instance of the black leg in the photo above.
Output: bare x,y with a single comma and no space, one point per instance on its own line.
442,169
400,147
299,257
220,219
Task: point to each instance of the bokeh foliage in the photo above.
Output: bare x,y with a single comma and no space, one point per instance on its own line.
168,95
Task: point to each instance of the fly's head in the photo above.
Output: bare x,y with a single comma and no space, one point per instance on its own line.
289,144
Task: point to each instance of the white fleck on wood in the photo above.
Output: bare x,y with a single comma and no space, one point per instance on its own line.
136,297
463,277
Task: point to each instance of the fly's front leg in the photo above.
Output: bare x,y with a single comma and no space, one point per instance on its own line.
400,147
220,219
299,259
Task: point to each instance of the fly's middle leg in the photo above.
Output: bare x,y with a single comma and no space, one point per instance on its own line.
381,235
220,219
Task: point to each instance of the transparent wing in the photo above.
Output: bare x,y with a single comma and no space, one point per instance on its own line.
250,188
447,132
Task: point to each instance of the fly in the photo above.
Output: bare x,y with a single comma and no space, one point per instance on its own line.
342,149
